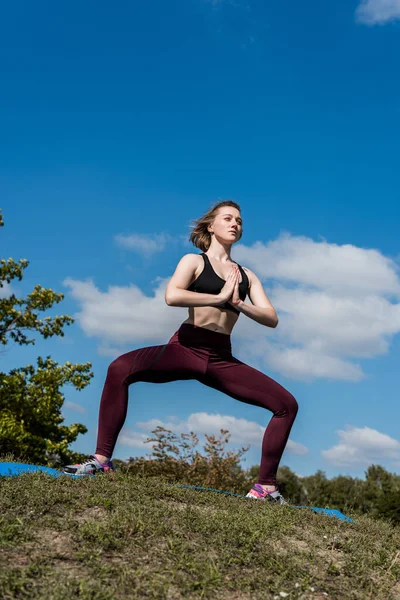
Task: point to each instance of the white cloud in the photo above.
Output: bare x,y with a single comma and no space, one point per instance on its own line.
109,351
75,407
124,315
373,12
243,432
301,260
301,363
133,439
6,290
147,245
362,446
295,448
336,304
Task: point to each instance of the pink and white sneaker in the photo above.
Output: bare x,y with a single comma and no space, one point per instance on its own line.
257,492
89,467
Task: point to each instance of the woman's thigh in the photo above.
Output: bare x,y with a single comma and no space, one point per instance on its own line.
245,383
161,364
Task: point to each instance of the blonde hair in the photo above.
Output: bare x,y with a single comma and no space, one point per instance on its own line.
200,236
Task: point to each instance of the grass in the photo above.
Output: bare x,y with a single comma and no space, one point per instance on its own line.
123,537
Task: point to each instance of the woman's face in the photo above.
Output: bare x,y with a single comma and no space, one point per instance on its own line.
227,225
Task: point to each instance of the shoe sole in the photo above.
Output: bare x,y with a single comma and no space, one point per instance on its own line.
89,474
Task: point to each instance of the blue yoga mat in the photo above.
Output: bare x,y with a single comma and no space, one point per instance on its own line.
12,469
330,512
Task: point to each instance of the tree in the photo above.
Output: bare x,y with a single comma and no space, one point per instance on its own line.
381,480
318,489
30,397
388,506
291,486
176,458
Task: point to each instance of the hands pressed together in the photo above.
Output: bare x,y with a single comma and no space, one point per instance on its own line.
230,291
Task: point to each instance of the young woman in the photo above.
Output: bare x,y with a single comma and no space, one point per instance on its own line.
214,288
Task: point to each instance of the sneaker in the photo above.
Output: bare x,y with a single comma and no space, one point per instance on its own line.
89,467
257,492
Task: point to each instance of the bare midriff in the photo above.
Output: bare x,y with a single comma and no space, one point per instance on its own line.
217,319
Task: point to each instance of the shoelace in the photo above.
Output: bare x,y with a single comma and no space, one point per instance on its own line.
279,498
90,461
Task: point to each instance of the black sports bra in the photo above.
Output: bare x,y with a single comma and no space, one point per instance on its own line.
208,282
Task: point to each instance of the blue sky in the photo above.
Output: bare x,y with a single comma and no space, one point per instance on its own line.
122,123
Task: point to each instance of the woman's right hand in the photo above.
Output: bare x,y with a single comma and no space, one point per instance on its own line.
227,291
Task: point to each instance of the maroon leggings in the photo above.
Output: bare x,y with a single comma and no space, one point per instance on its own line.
198,353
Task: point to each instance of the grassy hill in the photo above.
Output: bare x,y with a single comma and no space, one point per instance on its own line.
130,537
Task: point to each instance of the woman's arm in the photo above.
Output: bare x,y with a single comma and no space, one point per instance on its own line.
261,309
176,293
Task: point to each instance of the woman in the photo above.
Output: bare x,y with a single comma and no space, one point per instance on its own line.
213,287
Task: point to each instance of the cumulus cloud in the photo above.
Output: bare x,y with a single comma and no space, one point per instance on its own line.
6,290
147,245
337,304
301,260
243,432
107,350
373,12
123,315
75,407
133,439
300,363
362,446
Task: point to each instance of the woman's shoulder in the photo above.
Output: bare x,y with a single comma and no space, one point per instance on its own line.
192,257
191,260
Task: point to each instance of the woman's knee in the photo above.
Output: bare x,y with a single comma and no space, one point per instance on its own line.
293,404
289,407
118,368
